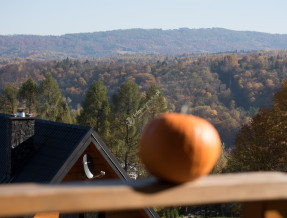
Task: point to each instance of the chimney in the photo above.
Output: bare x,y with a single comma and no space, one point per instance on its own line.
16,146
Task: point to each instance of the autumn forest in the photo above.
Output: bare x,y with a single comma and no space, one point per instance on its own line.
243,94
226,89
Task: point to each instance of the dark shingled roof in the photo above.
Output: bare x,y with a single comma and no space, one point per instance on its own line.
55,143
57,148
3,148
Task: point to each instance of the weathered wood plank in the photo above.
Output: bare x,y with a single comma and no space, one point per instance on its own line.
21,199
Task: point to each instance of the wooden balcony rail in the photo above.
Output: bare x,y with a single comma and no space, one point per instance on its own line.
263,194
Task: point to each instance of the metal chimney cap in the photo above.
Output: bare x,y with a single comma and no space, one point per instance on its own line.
21,114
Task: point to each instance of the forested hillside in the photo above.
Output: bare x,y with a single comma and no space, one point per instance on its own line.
138,41
225,89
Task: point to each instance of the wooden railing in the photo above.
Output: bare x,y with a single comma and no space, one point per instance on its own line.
263,194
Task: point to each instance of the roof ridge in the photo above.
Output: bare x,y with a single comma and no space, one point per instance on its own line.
52,122
6,115
75,126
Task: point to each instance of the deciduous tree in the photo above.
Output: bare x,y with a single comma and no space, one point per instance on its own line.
262,144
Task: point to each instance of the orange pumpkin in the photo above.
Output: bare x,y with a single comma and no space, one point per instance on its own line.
179,147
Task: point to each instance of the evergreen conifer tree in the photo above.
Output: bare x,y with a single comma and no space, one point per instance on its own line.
51,105
125,125
154,103
9,97
96,110
28,93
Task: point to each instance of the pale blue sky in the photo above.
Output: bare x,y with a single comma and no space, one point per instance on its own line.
57,17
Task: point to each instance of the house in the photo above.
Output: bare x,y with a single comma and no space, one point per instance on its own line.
39,151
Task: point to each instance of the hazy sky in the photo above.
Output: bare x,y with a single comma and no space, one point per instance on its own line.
57,17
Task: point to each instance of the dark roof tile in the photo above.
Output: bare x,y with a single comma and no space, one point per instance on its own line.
55,143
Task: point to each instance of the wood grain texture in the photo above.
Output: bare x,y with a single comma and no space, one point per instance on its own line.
111,195
47,215
76,173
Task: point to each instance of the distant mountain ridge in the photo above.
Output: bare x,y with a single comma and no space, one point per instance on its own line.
134,41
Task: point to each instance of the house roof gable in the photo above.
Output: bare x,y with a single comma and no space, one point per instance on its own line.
58,147
55,143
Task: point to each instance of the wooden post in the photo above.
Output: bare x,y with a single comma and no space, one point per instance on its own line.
265,209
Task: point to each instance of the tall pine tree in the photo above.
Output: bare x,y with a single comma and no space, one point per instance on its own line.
125,126
28,93
9,99
51,105
154,102
96,110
